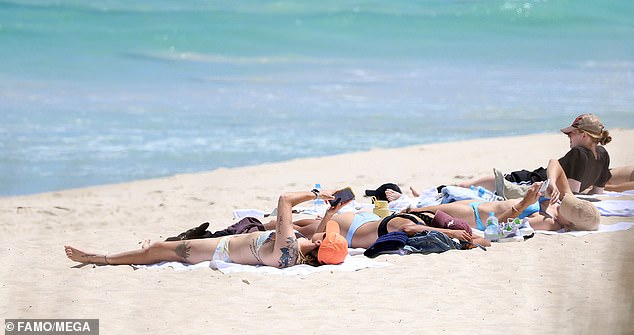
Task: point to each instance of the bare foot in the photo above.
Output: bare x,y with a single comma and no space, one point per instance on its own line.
82,257
145,243
414,192
392,195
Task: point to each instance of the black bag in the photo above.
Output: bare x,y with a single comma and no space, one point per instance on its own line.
244,226
527,177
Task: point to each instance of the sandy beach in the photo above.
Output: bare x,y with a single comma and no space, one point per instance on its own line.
550,284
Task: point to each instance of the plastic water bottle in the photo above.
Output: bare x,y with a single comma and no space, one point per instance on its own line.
483,193
492,231
319,205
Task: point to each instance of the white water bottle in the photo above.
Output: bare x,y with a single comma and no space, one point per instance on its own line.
492,231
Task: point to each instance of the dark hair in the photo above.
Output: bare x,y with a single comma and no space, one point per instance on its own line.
311,258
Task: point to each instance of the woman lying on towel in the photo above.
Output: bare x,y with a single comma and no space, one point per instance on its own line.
362,229
456,219
279,248
563,210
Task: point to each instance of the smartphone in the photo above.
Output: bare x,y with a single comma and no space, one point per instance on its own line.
544,187
343,195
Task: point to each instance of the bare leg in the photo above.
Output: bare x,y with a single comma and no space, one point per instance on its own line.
486,182
620,187
188,251
621,174
392,195
622,179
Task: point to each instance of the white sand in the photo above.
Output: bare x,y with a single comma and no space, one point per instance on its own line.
549,284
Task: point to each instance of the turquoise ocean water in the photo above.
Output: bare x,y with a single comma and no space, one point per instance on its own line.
96,92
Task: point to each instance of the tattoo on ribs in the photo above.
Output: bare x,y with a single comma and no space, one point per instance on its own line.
254,252
182,250
255,248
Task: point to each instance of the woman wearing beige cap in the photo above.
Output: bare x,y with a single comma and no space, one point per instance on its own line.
586,164
564,209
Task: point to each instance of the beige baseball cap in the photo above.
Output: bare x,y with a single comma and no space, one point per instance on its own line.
582,213
589,123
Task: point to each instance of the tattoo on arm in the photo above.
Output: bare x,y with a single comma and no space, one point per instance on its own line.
182,250
290,253
279,224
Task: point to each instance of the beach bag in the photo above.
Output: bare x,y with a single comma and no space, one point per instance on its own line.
507,189
193,233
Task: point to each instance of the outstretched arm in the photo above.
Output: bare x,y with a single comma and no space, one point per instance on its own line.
411,229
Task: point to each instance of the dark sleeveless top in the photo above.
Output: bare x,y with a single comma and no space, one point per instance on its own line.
579,164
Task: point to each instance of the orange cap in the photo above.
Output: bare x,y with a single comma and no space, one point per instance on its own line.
334,247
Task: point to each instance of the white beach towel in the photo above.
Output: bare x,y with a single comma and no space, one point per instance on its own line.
603,228
354,261
615,207
618,194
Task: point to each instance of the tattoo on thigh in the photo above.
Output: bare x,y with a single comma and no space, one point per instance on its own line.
289,253
182,250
